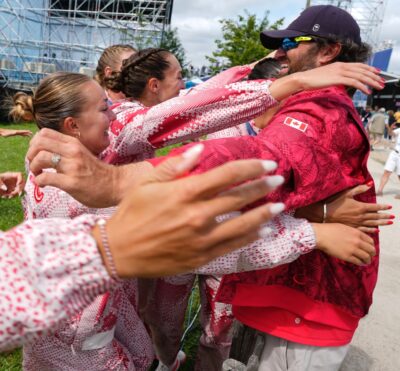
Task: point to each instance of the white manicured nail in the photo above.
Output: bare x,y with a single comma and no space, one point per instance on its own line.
274,180
193,151
3,187
269,165
277,208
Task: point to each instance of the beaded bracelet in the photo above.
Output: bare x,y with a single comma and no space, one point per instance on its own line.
106,247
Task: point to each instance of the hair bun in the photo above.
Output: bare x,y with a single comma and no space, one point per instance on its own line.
22,107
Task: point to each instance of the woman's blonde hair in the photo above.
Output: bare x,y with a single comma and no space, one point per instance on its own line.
111,57
57,97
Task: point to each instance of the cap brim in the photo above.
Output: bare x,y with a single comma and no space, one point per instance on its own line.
272,39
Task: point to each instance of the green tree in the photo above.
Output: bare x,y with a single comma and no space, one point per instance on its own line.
240,42
171,42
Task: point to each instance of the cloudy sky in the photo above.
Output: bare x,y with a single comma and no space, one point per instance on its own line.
197,22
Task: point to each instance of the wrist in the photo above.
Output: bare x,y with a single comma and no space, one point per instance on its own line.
286,86
97,237
319,235
119,186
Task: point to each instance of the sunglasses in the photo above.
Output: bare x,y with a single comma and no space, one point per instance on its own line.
294,42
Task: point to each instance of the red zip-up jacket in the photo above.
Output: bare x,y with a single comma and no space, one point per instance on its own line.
321,148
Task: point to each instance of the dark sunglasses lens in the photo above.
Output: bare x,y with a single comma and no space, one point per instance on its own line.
288,44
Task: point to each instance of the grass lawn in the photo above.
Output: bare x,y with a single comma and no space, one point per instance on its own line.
12,154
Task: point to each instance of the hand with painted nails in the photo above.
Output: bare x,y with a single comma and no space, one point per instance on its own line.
345,243
171,220
11,184
343,208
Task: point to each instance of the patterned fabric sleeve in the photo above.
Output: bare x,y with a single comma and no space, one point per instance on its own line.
49,269
228,76
185,118
282,240
52,202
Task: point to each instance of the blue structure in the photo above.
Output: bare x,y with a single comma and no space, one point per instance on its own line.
38,37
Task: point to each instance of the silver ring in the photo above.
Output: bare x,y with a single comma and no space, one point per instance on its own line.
55,159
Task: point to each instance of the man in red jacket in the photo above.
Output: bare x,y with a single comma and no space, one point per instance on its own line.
308,309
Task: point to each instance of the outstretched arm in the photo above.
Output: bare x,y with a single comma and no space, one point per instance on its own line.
343,208
203,112
50,269
285,238
11,133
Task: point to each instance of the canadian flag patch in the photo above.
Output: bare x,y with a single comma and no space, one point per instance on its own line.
296,124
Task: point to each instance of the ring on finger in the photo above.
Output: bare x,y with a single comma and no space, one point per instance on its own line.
55,159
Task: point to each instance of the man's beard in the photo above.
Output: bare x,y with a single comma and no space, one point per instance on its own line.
304,64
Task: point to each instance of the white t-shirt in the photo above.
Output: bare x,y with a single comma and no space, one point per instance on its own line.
396,132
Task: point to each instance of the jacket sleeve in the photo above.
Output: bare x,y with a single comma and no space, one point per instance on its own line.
188,117
50,269
52,202
282,240
229,76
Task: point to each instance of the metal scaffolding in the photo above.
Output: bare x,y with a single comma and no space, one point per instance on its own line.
38,37
369,14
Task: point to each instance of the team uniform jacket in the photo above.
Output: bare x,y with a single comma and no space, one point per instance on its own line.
321,149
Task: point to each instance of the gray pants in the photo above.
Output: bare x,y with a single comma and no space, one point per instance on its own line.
283,355
253,350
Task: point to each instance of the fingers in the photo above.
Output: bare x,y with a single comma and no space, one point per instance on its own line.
357,190
51,141
175,167
237,198
375,216
42,160
222,177
355,260
3,187
54,180
370,230
375,207
364,250
358,76
369,244
363,253
245,223
11,184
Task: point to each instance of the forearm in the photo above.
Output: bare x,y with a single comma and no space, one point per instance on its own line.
313,213
283,240
50,269
229,76
286,86
210,111
187,117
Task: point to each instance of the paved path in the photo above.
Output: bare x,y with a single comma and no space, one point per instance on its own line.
376,345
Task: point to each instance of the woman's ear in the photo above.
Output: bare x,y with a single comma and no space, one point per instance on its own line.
108,71
70,127
153,85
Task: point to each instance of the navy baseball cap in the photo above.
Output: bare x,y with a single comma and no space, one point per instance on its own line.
320,20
